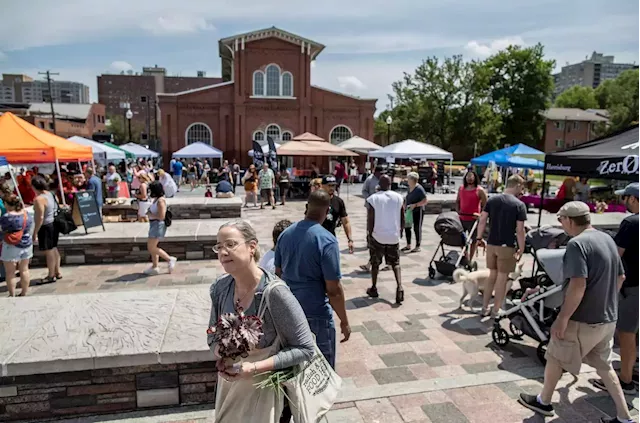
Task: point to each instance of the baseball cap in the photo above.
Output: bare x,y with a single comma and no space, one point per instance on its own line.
630,190
328,180
574,209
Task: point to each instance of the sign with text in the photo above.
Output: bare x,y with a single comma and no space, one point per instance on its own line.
85,210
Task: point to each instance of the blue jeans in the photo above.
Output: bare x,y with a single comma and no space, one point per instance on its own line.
325,331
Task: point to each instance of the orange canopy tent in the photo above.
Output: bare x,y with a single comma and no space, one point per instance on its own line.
22,142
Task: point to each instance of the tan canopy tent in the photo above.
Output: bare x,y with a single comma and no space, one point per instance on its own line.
309,145
359,145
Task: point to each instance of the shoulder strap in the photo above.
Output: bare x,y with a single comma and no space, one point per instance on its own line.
265,302
25,217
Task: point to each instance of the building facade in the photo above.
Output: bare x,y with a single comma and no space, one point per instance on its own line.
589,73
138,92
566,128
24,89
266,92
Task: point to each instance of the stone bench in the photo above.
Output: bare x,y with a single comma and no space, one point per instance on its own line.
127,242
181,208
73,355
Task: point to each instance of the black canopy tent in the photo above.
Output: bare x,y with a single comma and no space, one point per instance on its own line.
611,157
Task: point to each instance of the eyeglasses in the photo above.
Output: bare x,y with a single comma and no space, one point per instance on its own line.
229,245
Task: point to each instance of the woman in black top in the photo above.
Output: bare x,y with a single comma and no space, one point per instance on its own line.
415,201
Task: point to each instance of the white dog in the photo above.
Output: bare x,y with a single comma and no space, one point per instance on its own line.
474,282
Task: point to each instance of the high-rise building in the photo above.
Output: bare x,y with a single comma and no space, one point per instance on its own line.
591,72
15,88
137,91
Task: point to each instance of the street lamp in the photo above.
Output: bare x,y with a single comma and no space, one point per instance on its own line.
129,116
389,122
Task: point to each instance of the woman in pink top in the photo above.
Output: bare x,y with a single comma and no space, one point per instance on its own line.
470,203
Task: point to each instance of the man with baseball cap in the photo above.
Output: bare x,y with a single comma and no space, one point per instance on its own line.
584,328
627,327
337,210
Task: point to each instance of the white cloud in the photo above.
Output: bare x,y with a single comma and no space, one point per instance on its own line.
120,66
351,83
177,24
478,49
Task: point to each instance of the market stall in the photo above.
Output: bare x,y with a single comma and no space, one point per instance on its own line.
22,142
102,153
359,145
198,150
139,151
614,157
127,154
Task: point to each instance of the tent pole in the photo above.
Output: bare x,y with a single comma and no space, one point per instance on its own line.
542,192
93,165
450,169
15,183
64,201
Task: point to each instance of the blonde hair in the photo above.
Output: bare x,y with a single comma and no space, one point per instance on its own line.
514,181
161,173
247,232
414,176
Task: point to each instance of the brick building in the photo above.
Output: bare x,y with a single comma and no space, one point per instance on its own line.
565,128
266,91
133,90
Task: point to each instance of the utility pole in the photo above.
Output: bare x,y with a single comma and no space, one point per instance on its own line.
53,113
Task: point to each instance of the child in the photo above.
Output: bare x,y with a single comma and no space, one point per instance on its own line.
208,193
267,261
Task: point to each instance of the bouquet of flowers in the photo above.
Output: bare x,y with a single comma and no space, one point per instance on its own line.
236,334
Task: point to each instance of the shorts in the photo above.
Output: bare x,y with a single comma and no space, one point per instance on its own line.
390,253
628,310
266,193
283,185
501,258
583,342
157,229
467,225
15,254
47,237
191,176
176,179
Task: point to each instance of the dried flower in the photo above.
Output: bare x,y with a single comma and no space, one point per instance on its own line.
237,334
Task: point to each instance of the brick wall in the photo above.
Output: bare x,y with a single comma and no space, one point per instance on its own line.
100,391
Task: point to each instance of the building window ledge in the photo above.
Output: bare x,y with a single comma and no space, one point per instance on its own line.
274,97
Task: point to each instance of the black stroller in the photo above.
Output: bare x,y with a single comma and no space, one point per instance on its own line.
452,234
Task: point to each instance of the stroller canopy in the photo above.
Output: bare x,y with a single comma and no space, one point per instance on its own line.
450,229
542,237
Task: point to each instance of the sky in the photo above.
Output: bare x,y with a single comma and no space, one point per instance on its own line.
369,44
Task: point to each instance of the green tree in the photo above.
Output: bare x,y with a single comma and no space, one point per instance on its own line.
577,97
620,97
519,85
119,128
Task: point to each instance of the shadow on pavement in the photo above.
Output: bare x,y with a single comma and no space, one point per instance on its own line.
131,277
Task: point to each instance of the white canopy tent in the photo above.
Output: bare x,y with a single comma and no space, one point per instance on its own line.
198,150
139,151
101,153
359,145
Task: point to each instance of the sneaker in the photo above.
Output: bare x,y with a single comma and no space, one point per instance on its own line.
172,263
532,403
372,292
407,248
151,271
416,250
627,388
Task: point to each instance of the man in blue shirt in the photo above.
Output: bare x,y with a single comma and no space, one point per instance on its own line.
177,172
95,184
307,258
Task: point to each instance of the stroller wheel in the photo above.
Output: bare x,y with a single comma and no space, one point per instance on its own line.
432,273
517,294
515,331
540,352
500,337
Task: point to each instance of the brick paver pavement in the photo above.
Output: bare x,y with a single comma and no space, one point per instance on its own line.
424,361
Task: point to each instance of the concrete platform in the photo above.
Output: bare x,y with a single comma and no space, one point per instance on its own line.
126,242
182,208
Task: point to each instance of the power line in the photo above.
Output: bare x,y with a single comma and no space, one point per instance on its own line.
53,113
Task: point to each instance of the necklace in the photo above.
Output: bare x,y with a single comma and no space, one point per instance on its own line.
239,309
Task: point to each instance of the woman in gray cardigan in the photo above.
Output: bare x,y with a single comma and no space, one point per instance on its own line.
287,339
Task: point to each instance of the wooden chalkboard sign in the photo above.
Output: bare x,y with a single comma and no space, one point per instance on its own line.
85,210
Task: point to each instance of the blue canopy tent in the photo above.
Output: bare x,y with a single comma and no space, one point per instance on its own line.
523,150
505,160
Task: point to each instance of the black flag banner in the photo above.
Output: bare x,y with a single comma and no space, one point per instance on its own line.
273,156
258,155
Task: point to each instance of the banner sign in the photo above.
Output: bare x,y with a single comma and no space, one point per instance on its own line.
258,155
626,167
273,156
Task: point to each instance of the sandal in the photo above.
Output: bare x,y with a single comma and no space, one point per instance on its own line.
416,250
399,296
47,280
58,277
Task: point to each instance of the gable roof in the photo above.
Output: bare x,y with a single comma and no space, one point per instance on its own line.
62,110
559,113
272,32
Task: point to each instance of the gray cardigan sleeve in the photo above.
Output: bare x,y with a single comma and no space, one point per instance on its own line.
291,326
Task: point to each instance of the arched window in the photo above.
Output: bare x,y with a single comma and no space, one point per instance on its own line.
258,83
287,84
273,131
286,136
258,136
273,80
340,133
199,132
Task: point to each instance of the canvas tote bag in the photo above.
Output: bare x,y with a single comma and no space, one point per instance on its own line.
314,388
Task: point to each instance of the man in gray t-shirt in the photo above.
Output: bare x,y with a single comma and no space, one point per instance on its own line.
584,328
